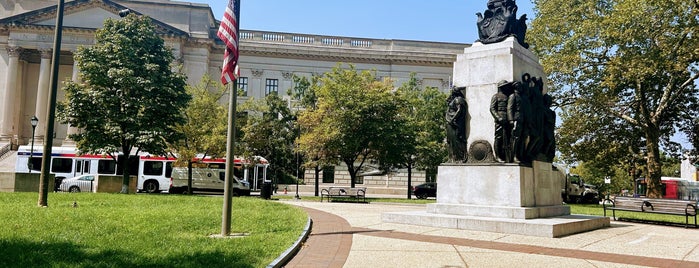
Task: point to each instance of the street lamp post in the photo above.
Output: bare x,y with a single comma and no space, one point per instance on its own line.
34,121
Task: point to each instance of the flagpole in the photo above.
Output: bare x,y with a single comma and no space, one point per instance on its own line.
232,102
230,157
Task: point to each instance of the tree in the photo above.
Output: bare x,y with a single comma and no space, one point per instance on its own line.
630,65
303,97
270,132
355,118
130,98
423,133
204,130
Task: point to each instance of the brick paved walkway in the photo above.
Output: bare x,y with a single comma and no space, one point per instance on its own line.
329,243
331,239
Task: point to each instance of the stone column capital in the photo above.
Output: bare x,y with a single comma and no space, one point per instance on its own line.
14,51
46,53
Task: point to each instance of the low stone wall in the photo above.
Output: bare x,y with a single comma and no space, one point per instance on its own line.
7,181
29,182
112,184
22,182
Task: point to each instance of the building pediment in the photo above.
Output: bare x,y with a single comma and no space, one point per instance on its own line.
81,14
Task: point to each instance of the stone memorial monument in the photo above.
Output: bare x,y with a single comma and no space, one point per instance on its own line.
508,183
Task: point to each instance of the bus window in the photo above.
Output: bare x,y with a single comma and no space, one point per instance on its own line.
168,169
86,163
132,165
62,165
35,163
152,168
78,166
239,172
106,167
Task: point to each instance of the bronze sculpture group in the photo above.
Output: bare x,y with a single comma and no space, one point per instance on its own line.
524,121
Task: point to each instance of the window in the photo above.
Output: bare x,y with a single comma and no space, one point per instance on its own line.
35,163
329,174
243,85
106,167
153,168
62,165
272,85
168,170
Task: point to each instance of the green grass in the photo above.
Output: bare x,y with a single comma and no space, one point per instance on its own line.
115,230
595,209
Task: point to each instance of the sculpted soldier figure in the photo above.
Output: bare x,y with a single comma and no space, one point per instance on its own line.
517,112
536,121
503,128
456,126
549,126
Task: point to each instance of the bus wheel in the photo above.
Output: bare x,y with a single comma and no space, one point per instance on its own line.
74,189
150,187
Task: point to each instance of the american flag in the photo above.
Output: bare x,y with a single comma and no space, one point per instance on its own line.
228,32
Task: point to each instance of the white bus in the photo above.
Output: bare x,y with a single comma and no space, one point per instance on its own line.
153,172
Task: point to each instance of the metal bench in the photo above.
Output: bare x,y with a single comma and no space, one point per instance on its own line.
343,192
684,208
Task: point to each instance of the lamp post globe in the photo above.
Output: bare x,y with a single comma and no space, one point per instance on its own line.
34,121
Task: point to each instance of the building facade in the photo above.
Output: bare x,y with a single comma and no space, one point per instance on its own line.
268,60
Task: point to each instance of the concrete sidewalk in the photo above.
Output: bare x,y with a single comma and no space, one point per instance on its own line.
353,235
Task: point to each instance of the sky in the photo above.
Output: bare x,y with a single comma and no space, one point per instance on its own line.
433,20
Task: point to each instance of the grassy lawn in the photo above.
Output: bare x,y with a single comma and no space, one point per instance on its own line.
594,209
113,230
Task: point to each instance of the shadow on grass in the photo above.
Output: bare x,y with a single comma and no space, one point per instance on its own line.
23,253
690,225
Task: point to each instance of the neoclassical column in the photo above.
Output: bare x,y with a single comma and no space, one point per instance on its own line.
73,130
7,126
42,94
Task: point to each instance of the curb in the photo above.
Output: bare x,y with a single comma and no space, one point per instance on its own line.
291,251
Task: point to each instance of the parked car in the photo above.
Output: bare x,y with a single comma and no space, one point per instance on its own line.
83,183
425,190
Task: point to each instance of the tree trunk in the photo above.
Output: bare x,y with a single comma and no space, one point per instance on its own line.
189,177
653,163
352,172
317,175
125,177
410,178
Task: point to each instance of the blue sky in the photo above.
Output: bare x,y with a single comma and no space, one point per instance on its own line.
435,20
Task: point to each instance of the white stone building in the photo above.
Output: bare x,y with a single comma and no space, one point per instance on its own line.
268,59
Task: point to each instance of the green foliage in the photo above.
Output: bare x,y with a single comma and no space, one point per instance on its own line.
423,132
270,132
129,96
624,72
356,119
159,231
204,130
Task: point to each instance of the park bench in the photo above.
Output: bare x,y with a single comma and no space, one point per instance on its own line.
334,192
684,208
